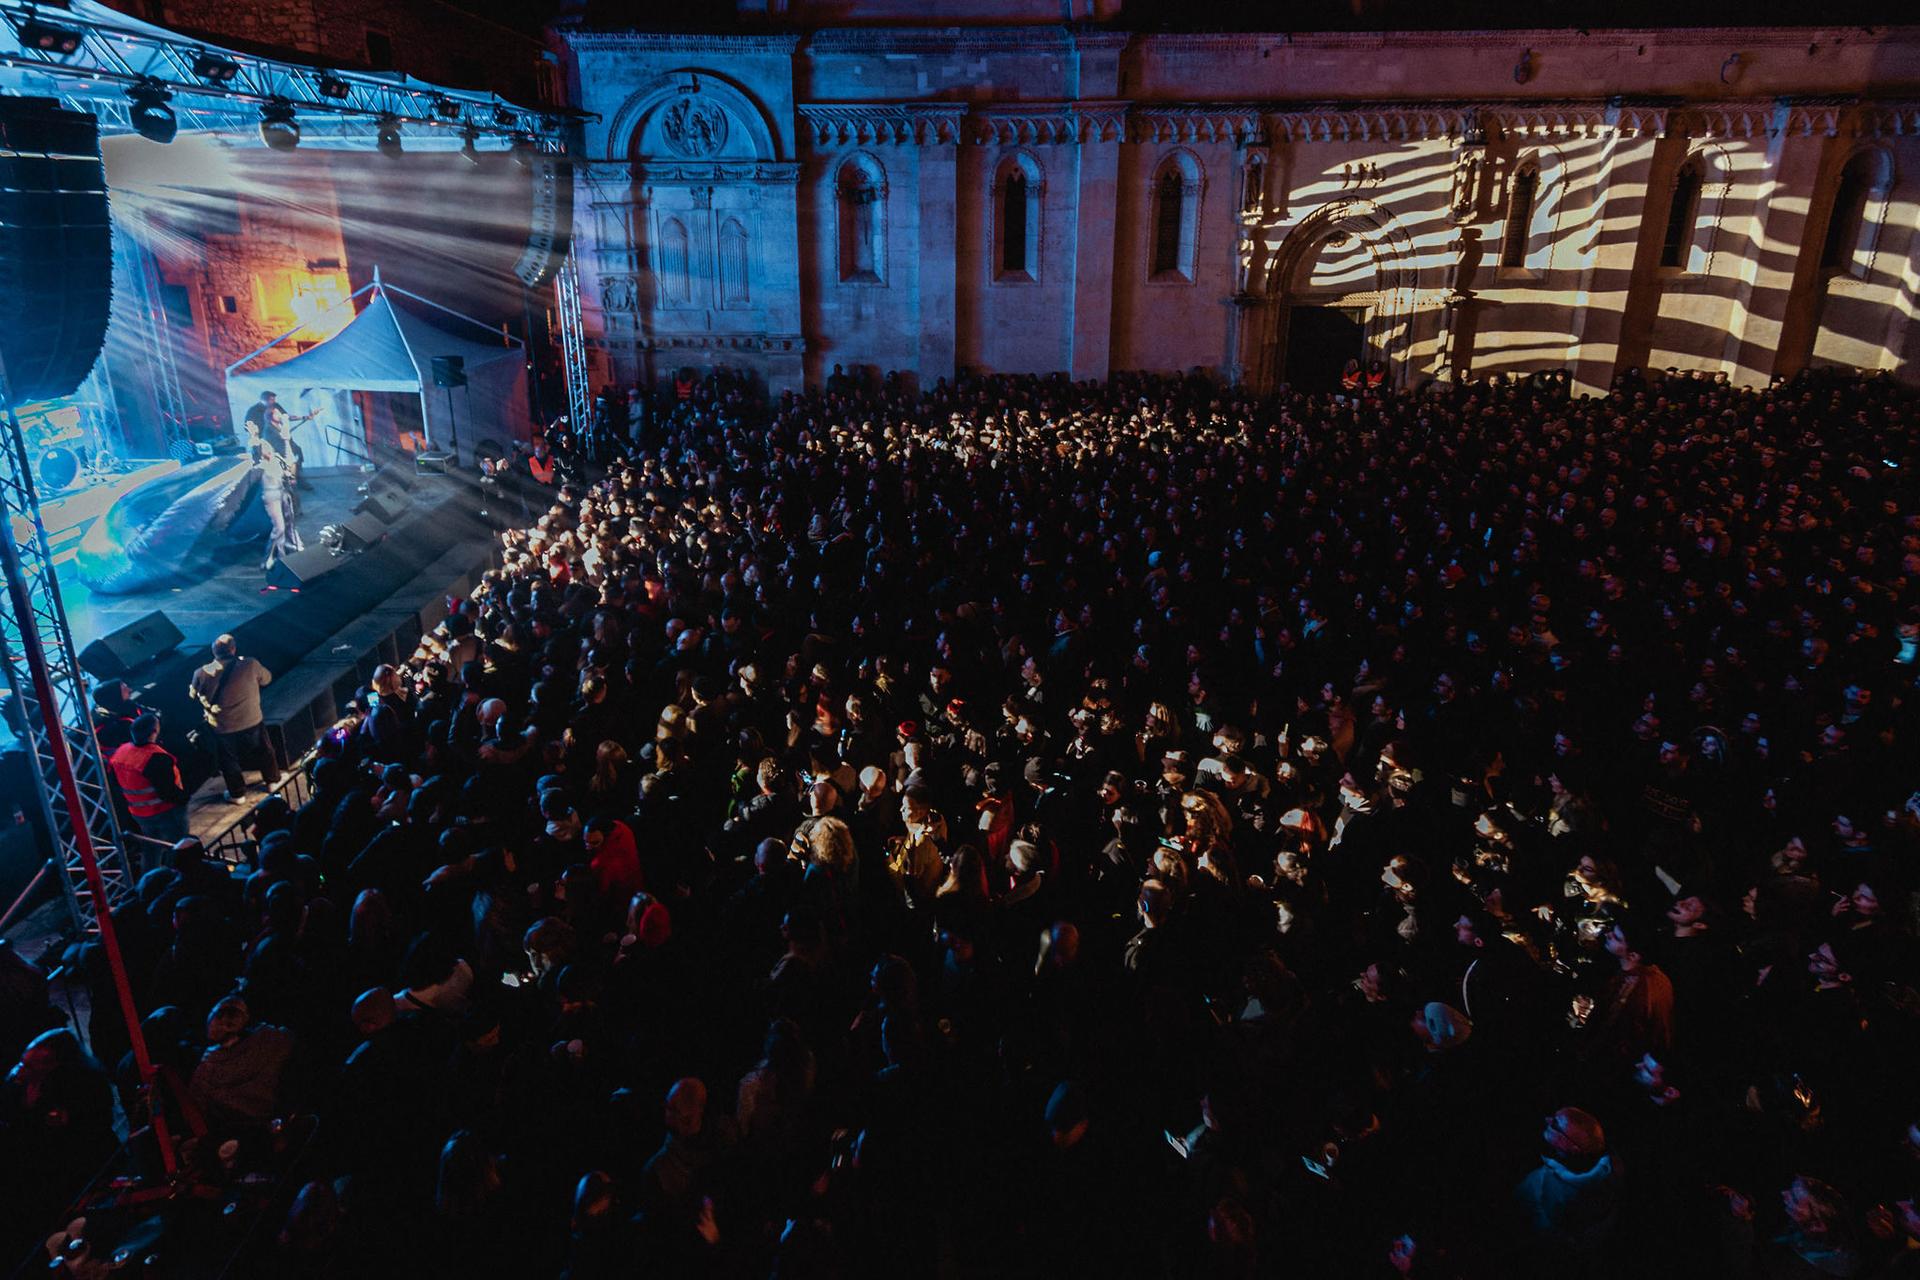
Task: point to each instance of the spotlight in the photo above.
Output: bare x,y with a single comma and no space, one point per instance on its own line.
470,144
332,86
387,140
278,129
503,117
47,37
152,118
215,69
446,108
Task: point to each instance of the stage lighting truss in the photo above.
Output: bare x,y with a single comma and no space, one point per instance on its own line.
49,37
92,63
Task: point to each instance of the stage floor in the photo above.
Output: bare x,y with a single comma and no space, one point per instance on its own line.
235,591
282,628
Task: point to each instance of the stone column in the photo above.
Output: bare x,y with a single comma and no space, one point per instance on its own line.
1090,333
937,160
1614,220
1772,328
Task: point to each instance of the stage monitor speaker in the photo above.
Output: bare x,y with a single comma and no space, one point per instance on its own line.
432,463
384,505
390,478
302,568
131,647
449,371
550,231
362,531
56,247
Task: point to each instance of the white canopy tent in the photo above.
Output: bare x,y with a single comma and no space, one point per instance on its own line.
391,347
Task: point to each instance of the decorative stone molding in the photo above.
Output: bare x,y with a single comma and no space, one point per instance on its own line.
710,172
763,342
1887,120
830,124
619,292
1046,123
1196,123
677,42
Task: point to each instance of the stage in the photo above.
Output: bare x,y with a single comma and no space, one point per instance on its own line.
202,609
318,639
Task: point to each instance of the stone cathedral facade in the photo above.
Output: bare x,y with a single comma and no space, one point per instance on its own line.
1038,197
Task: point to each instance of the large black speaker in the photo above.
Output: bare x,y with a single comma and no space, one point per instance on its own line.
384,505
550,233
56,247
449,371
302,568
131,647
362,531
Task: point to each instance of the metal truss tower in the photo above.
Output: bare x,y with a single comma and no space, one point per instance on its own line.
55,712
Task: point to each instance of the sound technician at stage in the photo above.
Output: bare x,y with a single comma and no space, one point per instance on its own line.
228,691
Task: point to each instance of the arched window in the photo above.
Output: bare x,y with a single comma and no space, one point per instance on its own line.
1683,213
1166,224
675,289
1013,221
860,198
1017,220
1176,208
1516,239
733,264
1851,235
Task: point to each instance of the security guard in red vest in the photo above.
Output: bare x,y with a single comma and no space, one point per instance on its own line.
540,462
149,777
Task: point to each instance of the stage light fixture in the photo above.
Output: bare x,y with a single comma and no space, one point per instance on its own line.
214,69
387,140
446,108
48,37
152,118
278,128
332,86
503,117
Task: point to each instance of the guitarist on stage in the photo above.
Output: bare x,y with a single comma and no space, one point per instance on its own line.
274,427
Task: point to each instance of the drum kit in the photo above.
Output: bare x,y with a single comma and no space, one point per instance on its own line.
67,445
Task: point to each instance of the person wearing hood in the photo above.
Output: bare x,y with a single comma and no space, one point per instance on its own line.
1569,1203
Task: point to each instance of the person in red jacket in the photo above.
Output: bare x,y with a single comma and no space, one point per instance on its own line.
149,778
615,859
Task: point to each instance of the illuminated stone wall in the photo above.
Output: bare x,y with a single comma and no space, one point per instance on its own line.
1183,197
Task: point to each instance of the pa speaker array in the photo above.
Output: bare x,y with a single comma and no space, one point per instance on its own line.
56,247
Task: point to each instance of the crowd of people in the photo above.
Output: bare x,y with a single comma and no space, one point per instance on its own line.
1048,828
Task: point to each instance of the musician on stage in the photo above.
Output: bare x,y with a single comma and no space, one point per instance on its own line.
273,426
276,493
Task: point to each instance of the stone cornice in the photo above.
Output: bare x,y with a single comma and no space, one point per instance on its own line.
864,40
662,42
1199,122
1254,124
1887,120
716,171
1044,123
1537,38
862,124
